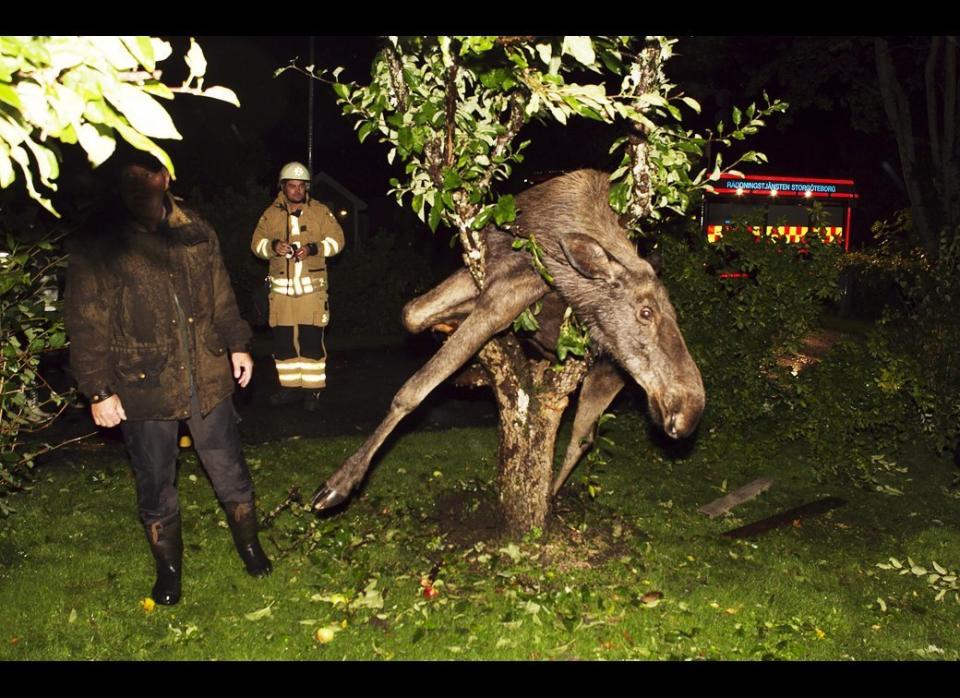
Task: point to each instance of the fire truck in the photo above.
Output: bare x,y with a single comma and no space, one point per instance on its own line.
781,207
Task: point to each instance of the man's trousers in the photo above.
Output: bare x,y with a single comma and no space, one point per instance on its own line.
152,445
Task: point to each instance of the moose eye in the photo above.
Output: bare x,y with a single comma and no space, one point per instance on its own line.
646,314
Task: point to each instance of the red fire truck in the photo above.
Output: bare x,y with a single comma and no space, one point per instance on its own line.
780,206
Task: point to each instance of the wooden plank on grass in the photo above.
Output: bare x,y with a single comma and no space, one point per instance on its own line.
744,494
786,518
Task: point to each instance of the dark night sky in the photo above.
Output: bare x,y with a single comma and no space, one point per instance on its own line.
224,145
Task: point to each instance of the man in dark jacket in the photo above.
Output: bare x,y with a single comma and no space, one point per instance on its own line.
156,337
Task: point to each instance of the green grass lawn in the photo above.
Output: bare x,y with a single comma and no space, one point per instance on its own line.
410,570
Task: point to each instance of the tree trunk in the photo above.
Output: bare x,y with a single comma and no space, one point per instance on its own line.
930,178
531,397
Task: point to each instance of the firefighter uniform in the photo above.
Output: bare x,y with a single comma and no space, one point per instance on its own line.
299,308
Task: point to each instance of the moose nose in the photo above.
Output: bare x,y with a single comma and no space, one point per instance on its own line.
680,424
671,426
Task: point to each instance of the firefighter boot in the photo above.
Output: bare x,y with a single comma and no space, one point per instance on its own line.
166,544
311,403
242,517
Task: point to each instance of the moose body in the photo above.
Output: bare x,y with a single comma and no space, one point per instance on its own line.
596,271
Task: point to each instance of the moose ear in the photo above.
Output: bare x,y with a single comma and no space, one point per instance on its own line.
587,256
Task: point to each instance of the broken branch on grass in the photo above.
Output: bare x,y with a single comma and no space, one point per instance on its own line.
743,494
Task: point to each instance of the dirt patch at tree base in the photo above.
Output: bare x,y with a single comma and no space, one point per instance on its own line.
471,516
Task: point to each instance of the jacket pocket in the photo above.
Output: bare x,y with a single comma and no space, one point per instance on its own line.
214,343
141,369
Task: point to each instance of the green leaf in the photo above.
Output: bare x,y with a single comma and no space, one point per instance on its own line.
142,49
483,217
142,111
335,599
434,218
58,340
9,96
141,142
545,52
505,210
512,551
526,322
224,94
97,141
342,91
451,179
371,597
195,60
265,612
7,174
692,103
158,89
581,48
405,139
47,165
365,130
737,116
161,49
112,48
573,339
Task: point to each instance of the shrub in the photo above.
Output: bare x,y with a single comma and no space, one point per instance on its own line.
736,327
31,326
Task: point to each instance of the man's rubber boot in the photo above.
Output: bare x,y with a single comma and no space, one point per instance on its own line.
166,544
242,517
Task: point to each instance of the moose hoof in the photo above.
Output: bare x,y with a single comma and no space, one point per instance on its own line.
326,499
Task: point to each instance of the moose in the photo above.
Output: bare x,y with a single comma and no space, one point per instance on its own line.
615,293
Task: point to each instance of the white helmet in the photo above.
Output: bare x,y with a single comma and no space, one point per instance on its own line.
294,170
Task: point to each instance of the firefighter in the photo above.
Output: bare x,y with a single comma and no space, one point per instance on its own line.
297,234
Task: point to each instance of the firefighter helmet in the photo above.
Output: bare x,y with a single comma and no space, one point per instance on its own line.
294,170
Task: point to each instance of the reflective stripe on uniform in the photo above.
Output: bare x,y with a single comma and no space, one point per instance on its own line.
288,371
294,287
263,248
330,247
314,371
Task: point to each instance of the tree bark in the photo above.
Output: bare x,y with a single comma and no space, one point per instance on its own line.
921,178
531,397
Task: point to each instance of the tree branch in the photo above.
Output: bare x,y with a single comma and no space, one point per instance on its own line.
48,448
513,40
396,77
646,65
514,124
894,103
448,148
898,112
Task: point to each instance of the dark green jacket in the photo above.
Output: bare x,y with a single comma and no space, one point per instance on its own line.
127,334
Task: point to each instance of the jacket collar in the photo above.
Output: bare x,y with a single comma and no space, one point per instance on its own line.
177,218
281,201
181,224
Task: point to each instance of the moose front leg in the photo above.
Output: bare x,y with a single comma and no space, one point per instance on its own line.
599,388
495,309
